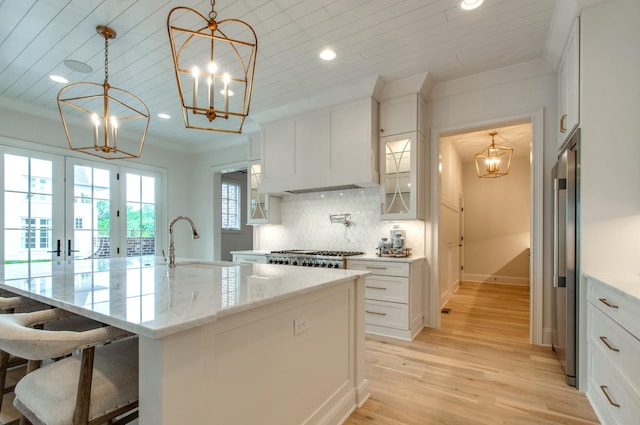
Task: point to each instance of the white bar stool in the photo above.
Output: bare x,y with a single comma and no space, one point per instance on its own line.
93,387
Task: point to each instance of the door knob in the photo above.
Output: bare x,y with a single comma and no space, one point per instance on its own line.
69,250
58,250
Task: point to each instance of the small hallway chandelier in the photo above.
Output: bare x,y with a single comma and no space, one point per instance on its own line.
214,63
493,161
97,113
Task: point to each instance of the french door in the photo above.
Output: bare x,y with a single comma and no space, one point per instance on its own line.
32,219
91,215
57,208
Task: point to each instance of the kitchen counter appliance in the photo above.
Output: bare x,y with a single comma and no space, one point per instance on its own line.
311,258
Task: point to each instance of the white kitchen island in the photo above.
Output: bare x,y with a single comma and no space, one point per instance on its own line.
223,343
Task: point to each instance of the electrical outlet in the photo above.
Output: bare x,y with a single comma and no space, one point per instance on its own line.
301,324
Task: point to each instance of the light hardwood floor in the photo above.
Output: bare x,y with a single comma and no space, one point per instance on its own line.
478,368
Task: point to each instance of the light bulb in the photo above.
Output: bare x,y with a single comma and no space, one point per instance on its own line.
212,67
195,71
95,119
226,78
114,122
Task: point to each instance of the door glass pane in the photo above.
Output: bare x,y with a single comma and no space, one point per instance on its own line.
28,214
91,213
397,176
141,215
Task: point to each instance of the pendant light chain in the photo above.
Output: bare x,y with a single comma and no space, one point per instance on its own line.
106,59
213,14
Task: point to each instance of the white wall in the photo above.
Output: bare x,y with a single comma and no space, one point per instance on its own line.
610,148
451,189
497,219
205,173
491,97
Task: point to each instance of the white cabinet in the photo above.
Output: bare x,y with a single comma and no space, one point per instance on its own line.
255,147
393,296
353,144
402,115
569,86
278,153
401,174
311,133
613,352
329,148
262,207
249,257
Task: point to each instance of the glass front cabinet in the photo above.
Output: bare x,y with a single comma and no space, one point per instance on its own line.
262,207
400,176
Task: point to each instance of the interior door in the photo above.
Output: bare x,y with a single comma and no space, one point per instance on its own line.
33,220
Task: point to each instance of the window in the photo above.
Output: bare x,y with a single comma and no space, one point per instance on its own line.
78,221
29,233
230,206
45,229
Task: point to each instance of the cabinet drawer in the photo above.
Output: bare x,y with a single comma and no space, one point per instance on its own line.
387,288
612,402
386,314
380,267
615,305
618,346
249,258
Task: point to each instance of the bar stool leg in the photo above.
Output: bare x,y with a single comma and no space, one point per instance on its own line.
4,364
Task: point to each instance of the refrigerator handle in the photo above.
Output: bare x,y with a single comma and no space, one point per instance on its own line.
559,272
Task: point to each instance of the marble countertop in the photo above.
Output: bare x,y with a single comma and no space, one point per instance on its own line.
144,296
628,286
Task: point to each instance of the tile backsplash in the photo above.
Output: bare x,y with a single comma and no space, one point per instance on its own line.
305,223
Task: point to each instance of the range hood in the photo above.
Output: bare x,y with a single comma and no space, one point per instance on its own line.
324,189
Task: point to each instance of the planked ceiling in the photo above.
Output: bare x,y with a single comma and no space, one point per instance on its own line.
389,39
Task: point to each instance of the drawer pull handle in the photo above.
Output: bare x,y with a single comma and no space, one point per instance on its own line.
376,287
607,303
376,313
375,268
605,341
605,390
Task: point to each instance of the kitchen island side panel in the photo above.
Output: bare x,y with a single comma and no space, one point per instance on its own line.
257,368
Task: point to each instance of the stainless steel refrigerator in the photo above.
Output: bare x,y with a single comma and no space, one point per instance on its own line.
565,256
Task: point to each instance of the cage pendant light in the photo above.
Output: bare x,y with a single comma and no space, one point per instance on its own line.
493,161
214,64
95,116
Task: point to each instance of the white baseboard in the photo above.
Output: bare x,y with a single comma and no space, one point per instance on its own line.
444,298
547,336
455,286
483,278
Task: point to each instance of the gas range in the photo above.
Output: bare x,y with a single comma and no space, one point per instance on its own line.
311,258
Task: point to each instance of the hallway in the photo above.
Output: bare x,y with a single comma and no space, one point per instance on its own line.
478,368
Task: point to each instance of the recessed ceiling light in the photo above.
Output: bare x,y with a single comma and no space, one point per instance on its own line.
327,55
58,79
470,4
78,66
164,116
